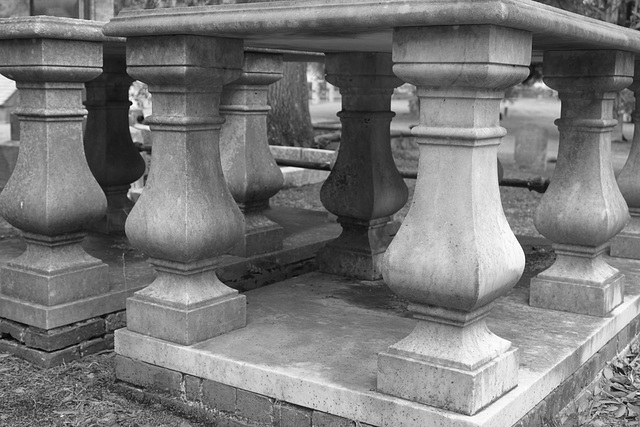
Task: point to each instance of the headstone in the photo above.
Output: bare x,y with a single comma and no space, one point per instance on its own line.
531,147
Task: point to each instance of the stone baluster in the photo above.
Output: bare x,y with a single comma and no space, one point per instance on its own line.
111,155
249,168
627,243
455,253
51,195
364,188
186,216
583,208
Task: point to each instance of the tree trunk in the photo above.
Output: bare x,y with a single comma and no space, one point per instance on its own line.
289,121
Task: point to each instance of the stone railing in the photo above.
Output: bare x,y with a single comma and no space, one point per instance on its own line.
454,255
52,195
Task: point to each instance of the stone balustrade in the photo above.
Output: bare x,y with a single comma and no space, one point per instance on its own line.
55,290
249,168
113,159
364,188
51,195
583,208
453,259
455,254
627,243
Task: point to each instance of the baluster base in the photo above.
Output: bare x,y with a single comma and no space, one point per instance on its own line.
53,271
118,208
261,236
359,250
186,304
627,243
451,360
580,281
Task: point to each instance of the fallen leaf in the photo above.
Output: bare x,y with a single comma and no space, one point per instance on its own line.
607,372
621,412
619,387
620,379
596,390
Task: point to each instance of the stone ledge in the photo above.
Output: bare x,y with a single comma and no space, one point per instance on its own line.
561,398
284,414
322,373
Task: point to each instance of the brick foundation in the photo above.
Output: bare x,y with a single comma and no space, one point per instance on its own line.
228,406
53,347
215,402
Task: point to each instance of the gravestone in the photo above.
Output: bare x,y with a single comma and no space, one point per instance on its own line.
531,147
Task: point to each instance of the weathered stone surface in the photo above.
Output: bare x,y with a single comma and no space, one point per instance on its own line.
186,215
364,188
250,171
583,208
191,322
424,263
364,26
531,147
444,386
51,195
353,322
579,281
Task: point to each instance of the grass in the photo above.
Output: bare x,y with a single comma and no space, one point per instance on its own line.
79,394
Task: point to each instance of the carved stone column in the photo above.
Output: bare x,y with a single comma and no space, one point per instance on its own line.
627,243
455,253
51,195
111,155
583,208
186,216
249,168
364,188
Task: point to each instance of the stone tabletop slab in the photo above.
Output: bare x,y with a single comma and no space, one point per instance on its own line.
50,27
366,25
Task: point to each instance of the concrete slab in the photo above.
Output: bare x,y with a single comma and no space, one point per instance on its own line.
313,341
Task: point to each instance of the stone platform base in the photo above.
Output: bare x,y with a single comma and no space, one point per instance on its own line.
310,349
305,232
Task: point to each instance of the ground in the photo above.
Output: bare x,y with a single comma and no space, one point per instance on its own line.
83,392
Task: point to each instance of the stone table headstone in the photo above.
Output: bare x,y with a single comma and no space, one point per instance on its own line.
531,147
